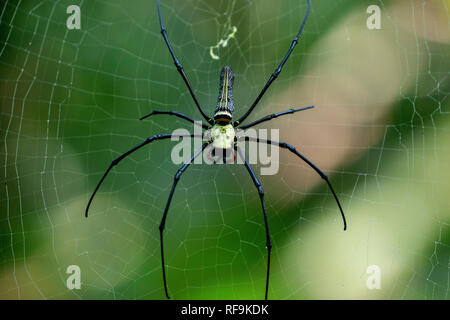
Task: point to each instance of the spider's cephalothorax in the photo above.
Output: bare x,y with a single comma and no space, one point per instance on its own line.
222,133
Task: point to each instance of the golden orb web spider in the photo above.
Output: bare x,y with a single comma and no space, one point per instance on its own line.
223,137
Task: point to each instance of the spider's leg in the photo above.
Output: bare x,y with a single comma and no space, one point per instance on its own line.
277,70
263,205
176,114
166,210
180,67
117,160
274,115
308,162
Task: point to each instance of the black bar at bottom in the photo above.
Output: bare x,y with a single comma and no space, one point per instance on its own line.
224,309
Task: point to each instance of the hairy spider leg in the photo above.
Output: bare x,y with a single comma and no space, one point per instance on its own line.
308,162
263,205
273,116
277,70
126,154
180,67
176,114
166,210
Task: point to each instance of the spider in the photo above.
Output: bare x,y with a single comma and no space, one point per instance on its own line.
222,130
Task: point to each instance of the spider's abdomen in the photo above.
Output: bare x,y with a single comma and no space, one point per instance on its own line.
225,106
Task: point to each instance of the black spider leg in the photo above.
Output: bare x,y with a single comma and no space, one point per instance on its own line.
273,116
312,165
180,67
263,205
166,210
176,114
277,70
117,160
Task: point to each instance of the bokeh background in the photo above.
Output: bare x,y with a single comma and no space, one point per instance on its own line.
70,103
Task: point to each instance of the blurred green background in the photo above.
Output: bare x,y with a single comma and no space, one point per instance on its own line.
70,103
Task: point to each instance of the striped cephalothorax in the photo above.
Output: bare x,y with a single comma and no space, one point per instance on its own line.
221,135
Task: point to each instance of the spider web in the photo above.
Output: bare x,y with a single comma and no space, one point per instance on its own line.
70,104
